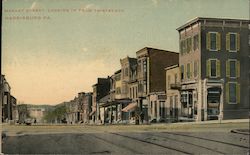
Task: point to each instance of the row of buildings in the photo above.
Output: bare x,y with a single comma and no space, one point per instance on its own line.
9,110
207,79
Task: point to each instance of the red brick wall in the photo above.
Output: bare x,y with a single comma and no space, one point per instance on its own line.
158,61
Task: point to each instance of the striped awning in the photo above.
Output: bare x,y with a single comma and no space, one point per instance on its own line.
130,107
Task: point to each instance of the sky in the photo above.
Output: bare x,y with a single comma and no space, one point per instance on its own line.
50,60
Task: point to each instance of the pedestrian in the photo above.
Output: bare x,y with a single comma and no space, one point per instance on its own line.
35,121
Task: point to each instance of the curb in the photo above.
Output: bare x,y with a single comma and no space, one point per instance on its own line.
241,131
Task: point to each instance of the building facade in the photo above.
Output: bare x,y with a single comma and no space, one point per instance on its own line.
151,77
214,60
174,109
100,89
86,107
8,102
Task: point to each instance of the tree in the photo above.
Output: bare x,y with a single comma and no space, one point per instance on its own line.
58,114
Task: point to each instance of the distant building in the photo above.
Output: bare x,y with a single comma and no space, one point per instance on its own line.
8,101
73,114
37,114
151,77
100,89
86,107
174,109
214,63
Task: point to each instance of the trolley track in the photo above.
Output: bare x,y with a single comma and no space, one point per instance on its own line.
148,142
206,139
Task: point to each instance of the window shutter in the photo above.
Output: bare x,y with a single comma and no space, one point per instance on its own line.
192,43
238,42
227,41
227,68
218,68
184,72
208,41
238,69
238,93
191,69
199,43
218,41
227,92
208,68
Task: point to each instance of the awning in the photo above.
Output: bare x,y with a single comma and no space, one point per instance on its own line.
92,112
130,107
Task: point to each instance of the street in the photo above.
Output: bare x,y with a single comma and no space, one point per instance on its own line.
117,139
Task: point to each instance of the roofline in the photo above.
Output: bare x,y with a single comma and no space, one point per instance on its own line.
196,19
171,67
155,49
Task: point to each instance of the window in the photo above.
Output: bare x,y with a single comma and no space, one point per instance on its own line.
195,42
213,68
213,41
175,78
189,44
169,78
144,66
182,72
232,42
195,69
232,68
139,65
126,71
144,86
183,45
188,70
233,92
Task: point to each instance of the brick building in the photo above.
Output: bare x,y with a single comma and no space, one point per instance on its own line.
100,89
214,61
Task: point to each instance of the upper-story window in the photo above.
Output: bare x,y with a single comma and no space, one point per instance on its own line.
213,68
139,66
232,42
196,42
213,41
126,71
175,78
195,68
169,80
144,66
182,72
232,68
189,44
188,70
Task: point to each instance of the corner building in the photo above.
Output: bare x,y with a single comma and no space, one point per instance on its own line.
214,61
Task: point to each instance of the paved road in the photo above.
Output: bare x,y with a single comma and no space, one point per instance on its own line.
128,143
